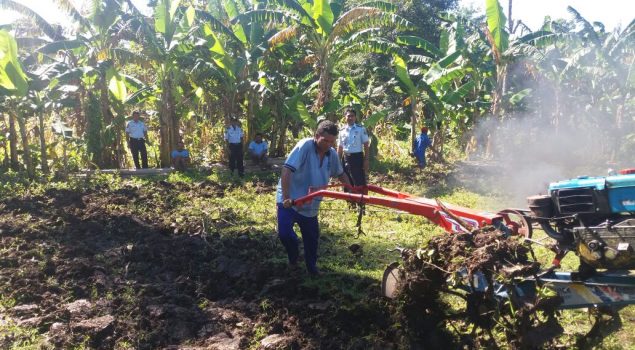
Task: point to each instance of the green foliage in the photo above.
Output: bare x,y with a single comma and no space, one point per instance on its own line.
496,22
13,81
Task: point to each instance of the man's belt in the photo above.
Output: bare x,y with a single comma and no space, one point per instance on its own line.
137,139
354,153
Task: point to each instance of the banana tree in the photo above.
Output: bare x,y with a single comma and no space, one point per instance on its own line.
233,54
95,52
167,42
326,34
13,85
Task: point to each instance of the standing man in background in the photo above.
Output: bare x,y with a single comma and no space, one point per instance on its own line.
353,149
137,136
234,138
419,148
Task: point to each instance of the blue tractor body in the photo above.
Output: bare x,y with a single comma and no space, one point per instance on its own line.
599,195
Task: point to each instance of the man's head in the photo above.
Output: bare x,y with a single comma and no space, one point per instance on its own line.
325,135
258,137
350,116
234,121
424,130
135,115
180,145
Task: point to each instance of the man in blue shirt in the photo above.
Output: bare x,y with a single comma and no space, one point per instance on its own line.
258,151
180,157
311,163
419,148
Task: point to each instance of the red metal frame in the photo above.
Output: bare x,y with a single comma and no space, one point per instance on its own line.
408,203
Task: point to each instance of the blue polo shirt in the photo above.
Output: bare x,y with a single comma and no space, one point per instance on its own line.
184,153
304,163
258,148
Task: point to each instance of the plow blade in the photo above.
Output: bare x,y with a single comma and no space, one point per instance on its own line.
602,289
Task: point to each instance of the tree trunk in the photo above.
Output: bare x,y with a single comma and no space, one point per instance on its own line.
324,93
93,129
107,133
13,143
43,155
26,151
413,121
168,129
251,118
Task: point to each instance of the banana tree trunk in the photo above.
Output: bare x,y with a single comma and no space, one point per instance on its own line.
108,136
26,151
252,101
168,128
43,156
13,143
413,121
324,93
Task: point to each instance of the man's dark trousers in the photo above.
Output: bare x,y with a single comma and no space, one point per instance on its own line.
236,158
139,146
354,168
310,230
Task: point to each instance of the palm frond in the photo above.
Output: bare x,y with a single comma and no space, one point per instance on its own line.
587,27
126,56
296,7
419,43
365,17
266,17
374,45
69,8
217,25
382,5
357,36
622,41
54,47
26,43
284,36
48,29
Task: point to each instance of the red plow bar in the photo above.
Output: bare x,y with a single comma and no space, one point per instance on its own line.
451,217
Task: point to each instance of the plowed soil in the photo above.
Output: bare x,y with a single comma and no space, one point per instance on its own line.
80,267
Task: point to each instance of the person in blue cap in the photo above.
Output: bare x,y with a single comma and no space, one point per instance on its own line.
422,142
311,163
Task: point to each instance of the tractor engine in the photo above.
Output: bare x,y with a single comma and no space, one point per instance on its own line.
594,216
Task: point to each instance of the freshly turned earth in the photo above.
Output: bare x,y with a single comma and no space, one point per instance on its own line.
83,267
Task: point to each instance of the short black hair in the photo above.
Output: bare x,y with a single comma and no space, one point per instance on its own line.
327,127
351,110
258,134
136,112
